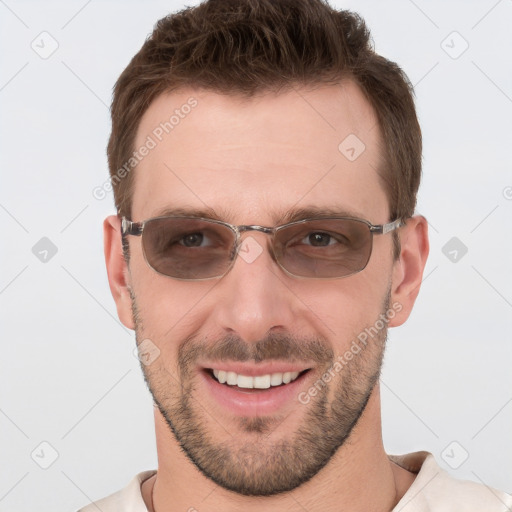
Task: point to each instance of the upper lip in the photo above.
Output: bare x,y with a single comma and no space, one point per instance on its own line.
253,370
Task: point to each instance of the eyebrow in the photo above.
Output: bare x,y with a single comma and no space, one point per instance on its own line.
285,217
207,213
317,212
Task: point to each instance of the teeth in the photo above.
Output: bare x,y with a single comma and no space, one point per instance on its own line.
276,379
258,382
232,379
245,382
262,381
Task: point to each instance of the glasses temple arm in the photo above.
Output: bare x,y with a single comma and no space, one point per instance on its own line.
129,227
386,228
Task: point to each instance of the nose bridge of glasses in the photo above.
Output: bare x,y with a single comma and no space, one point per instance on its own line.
246,228
252,227
263,229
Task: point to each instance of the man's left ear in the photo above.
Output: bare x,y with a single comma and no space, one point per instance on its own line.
408,269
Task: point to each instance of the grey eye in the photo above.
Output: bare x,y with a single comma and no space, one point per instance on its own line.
319,239
192,240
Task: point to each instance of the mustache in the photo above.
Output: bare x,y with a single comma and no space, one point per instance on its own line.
275,346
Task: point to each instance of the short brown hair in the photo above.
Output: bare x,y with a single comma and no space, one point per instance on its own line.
251,46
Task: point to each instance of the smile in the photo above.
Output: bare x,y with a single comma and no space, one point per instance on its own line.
255,382
248,389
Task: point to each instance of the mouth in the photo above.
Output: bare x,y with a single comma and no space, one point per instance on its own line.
255,390
256,382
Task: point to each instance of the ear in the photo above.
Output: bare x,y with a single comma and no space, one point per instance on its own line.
117,270
408,269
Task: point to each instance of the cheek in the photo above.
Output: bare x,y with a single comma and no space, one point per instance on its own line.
341,309
169,310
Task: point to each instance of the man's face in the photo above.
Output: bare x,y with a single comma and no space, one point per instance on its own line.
252,162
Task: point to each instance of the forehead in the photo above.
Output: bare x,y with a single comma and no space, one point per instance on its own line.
252,160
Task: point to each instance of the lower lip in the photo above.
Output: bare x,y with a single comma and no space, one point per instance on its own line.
254,402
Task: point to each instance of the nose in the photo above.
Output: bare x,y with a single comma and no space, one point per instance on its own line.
253,297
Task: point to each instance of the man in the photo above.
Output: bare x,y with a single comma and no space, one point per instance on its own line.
265,164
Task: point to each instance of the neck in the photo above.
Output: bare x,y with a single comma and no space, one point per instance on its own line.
359,476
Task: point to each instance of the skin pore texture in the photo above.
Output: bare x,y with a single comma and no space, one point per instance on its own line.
252,162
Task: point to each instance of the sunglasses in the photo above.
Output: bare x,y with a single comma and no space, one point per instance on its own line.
195,248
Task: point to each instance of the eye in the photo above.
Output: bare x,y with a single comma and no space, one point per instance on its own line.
322,239
319,239
193,240
186,240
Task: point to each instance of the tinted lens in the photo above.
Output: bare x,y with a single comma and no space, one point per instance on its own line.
188,248
324,248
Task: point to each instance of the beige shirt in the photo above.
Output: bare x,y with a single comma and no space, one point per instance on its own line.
433,490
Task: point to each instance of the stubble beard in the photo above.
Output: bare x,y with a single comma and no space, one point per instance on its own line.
249,462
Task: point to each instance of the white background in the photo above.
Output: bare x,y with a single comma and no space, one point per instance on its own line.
67,369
